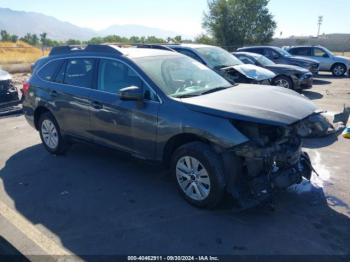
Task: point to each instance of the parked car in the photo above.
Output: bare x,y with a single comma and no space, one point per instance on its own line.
281,56
8,92
163,106
9,98
338,65
288,76
222,62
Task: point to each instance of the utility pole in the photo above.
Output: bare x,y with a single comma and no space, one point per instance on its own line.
320,22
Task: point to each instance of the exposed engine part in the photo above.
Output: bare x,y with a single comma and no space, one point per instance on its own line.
272,160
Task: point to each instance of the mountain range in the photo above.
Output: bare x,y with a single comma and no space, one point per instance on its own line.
21,23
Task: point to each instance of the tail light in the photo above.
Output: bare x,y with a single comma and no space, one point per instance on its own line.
25,89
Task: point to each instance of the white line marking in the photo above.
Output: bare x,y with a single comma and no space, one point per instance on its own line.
50,247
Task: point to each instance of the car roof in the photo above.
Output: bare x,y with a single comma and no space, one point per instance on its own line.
259,46
190,46
109,50
132,52
255,55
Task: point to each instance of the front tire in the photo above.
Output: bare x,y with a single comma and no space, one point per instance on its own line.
283,81
50,134
199,174
338,70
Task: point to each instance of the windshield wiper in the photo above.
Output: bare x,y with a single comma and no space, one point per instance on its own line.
216,89
186,95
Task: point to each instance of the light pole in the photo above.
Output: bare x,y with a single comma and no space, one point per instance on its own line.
320,21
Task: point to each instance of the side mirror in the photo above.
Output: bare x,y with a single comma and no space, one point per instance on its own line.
325,55
131,93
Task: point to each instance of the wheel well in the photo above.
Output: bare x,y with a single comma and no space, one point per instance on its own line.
177,141
285,76
337,63
38,112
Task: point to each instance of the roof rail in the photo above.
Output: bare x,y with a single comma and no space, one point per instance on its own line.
69,49
155,46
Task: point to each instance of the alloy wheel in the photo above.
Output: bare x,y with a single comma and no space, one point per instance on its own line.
49,134
339,70
282,83
193,178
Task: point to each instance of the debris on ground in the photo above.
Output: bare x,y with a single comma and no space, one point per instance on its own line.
346,133
320,126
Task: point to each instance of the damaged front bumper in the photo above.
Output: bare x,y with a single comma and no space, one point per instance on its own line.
267,169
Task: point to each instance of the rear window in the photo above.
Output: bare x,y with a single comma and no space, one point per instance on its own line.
49,71
80,72
303,51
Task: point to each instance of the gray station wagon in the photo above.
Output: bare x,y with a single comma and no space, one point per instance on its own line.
163,106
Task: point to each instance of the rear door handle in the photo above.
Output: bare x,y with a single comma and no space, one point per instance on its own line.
96,105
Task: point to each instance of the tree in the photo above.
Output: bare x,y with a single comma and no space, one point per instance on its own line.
14,38
5,36
73,42
178,39
205,39
235,23
43,39
31,39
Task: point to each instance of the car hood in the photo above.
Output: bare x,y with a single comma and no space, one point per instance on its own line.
4,75
303,59
254,103
284,68
253,72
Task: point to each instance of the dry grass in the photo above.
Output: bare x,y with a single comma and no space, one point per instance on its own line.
18,53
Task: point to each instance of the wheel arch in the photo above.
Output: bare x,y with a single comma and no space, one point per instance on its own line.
177,141
338,63
37,113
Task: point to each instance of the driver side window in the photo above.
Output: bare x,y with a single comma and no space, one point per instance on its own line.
114,76
271,54
320,53
246,60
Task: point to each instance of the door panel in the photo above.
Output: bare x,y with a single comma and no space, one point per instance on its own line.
323,58
72,95
127,125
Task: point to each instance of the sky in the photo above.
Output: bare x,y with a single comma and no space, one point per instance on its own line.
293,17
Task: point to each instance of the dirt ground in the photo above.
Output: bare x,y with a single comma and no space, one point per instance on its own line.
95,201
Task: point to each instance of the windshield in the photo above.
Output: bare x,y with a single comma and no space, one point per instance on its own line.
282,52
265,61
217,57
181,76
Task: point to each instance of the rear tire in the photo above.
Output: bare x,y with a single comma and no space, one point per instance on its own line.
199,174
50,134
339,70
283,81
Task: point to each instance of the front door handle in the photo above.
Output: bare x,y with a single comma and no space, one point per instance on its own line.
97,105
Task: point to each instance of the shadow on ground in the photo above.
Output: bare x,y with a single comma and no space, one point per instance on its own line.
312,95
321,82
99,202
329,76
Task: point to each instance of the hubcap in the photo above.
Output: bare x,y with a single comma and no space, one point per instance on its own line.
193,178
283,83
49,133
339,70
